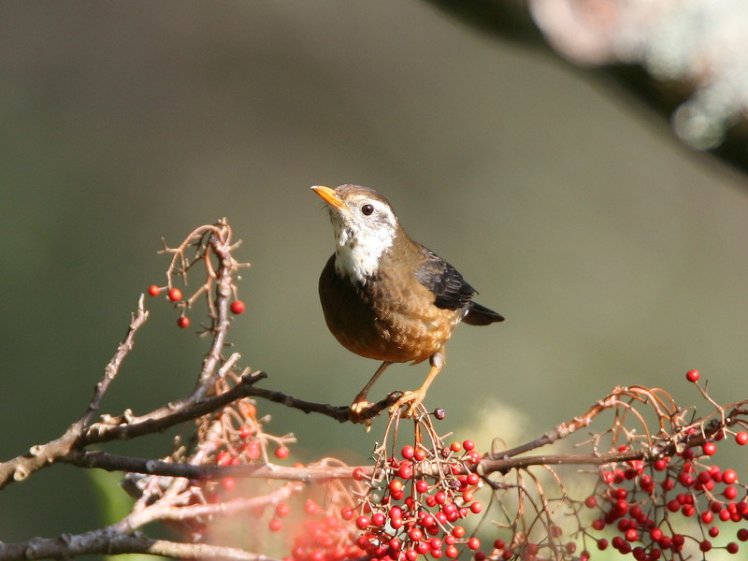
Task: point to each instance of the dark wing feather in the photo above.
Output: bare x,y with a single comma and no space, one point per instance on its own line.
452,291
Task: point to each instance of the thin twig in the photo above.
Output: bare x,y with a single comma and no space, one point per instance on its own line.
113,367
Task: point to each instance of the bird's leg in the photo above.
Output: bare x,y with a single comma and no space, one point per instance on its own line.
414,398
359,402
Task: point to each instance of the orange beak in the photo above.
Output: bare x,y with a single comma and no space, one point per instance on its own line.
328,195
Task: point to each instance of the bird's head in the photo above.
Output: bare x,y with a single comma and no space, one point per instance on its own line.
365,228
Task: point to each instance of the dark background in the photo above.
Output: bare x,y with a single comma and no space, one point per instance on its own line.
617,256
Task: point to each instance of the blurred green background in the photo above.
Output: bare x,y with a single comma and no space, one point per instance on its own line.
617,256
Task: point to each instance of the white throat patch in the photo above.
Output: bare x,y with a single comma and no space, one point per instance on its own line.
360,244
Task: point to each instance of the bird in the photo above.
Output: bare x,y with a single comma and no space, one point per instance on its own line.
385,296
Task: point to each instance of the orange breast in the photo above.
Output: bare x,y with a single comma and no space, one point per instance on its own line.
390,318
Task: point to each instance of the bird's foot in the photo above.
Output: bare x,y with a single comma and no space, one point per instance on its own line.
358,410
410,398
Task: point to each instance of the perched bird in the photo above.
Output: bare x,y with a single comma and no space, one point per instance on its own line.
387,297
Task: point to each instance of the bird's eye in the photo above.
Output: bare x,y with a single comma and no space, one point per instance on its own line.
366,210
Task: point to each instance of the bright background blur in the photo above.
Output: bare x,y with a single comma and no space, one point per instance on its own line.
617,256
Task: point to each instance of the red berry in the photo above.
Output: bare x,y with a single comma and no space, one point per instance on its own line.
743,534
275,525
346,513
693,376
427,521
282,509
174,294
228,483
419,454
254,451
742,438
237,307
311,507
732,548
709,448
468,445
452,552
414,534
281,452
705,546
632,535
407,452
154,290
422,486
729,476
458,532
245,431
378,519
183,322
476,507
473,543
362,522
405,471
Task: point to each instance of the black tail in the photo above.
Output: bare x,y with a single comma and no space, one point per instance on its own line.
480,315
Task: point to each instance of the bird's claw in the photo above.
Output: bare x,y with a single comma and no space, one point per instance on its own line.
410,398
357,411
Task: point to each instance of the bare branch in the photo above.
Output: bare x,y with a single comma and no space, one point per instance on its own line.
129,464
107,542
42,455
158,420
112,369
337,412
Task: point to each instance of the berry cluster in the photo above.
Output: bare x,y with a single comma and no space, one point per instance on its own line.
640,501
521,547
236,437
237,307
416,500
323,536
